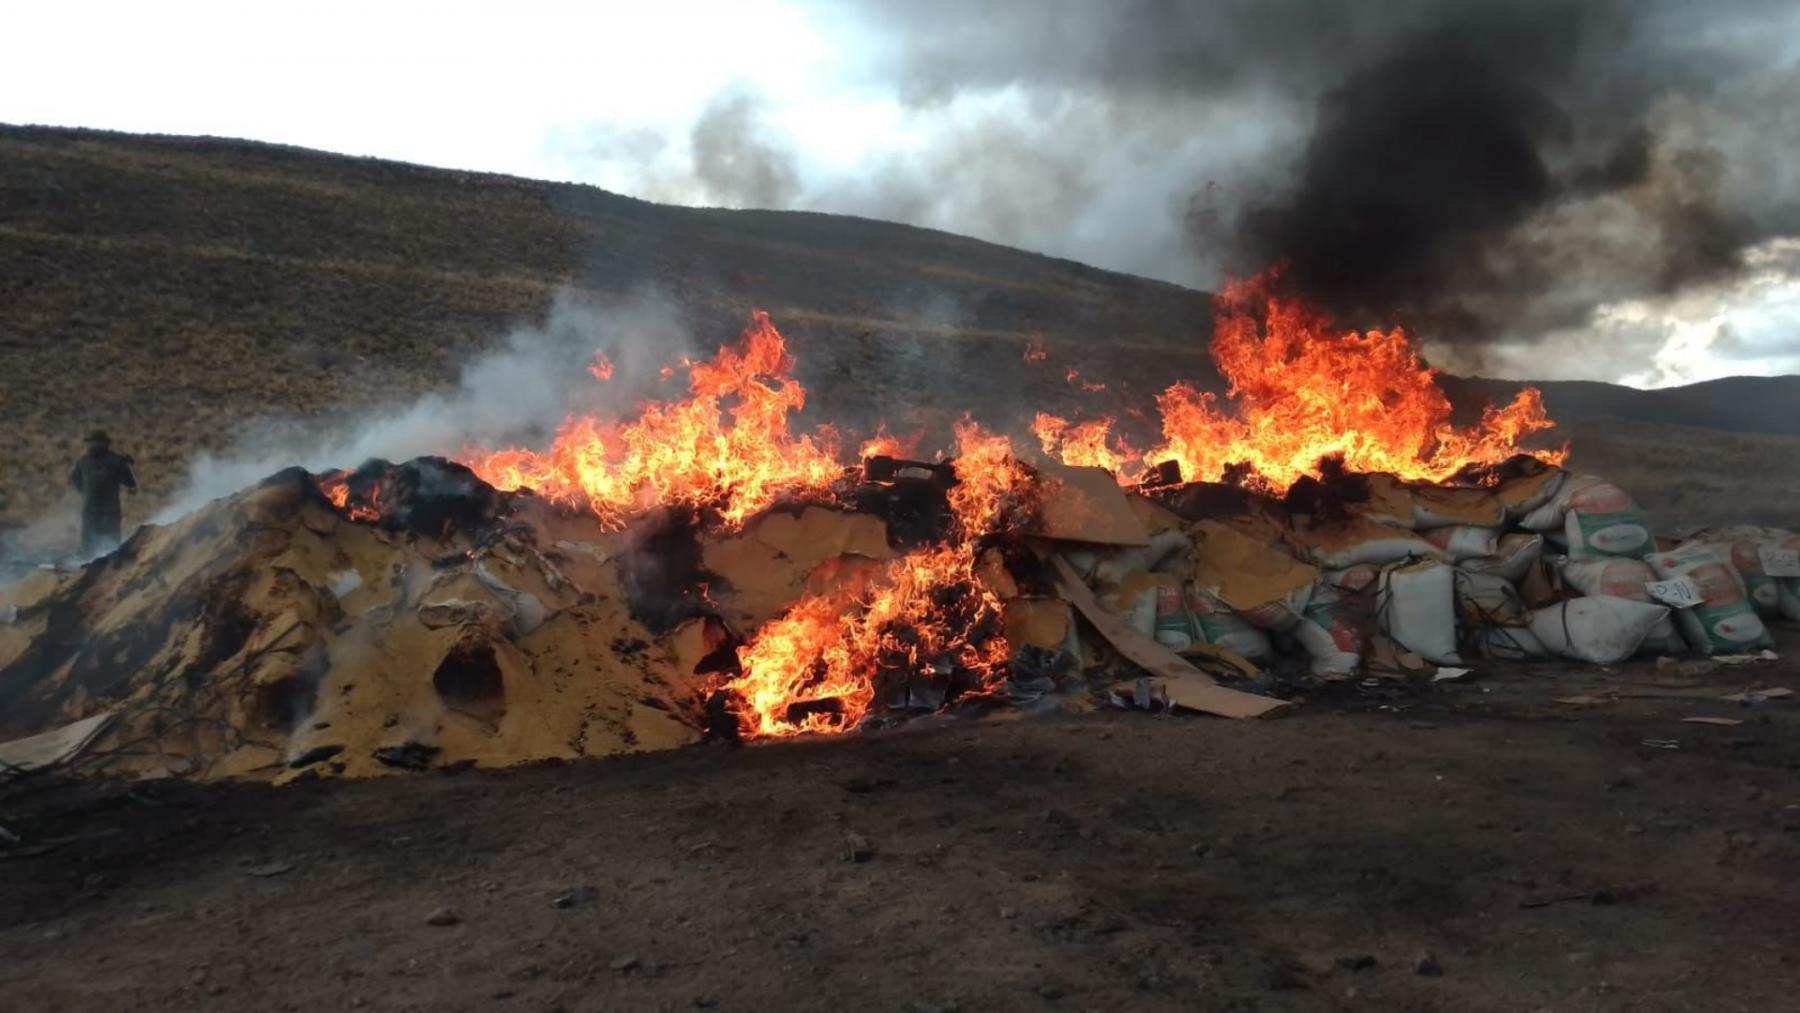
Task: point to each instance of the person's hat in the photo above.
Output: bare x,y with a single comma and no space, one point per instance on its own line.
99,436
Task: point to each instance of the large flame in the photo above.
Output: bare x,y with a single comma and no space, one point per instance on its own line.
1299,392
1302,391
923,616
727,446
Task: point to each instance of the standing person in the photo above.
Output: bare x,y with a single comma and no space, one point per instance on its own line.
98,475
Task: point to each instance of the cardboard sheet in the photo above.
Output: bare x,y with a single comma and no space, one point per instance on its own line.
779,557
1086,505
1036,622
1243,572
1185,685
51,748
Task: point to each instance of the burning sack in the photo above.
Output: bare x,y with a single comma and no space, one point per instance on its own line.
1602,631
1533,484
1723,622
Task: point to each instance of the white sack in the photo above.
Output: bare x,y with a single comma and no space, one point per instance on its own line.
1465,541
1416,606
1513,556
1603,631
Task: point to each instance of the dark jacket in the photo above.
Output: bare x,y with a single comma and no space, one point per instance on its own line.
98,476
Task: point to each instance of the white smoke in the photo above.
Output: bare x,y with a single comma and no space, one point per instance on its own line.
516,395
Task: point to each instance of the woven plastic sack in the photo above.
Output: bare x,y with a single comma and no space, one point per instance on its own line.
1724,622
1604,631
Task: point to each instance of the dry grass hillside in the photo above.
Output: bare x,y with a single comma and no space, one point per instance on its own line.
178,290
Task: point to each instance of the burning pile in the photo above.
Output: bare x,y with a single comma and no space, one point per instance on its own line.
706,567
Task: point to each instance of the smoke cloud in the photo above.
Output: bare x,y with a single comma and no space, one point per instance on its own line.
1489,171
517,394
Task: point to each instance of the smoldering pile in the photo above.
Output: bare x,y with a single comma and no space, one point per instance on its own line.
411,617
275,631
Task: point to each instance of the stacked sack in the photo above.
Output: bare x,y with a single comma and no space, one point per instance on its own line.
1542,564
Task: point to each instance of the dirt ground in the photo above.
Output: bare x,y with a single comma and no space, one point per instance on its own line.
1545,855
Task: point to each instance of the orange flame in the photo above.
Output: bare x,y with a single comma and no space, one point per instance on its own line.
923,615
1084,444
1035,351
727,446
1301,392
336,487
886,444
1074,379
601,368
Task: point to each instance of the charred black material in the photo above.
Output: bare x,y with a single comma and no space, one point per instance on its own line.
407,755
1164,473
426,495
1327,497
721,722
1200,500
882,468
1516,466
916,510
665,583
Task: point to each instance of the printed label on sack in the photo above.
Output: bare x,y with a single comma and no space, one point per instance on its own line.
1680,593
1780,562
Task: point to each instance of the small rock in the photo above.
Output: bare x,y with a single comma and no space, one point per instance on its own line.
625,963
1356,962
1009,913
706,1001
268,869
1580,957
443,916
215,989
1051,991
578,897
1427,965
1199,850
857,848
1634,829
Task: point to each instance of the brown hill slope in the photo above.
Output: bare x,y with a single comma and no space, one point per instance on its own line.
175,290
